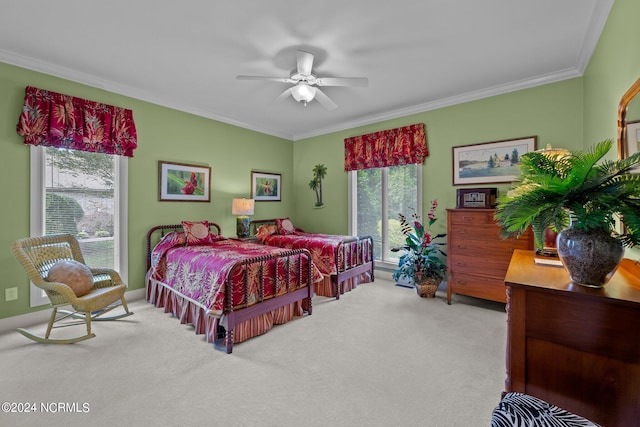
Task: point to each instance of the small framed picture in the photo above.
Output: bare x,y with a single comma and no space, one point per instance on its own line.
266,187
180,182
632,144
490,162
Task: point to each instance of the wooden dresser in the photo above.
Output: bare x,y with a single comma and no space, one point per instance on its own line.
575,347
477,257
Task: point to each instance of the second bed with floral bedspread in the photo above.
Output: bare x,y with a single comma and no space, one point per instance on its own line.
345,261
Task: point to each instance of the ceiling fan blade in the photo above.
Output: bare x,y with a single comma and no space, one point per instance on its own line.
343,81
324,100
285,94
272,79
305,62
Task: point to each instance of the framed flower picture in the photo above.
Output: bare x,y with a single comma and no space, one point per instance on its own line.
181,182
266,187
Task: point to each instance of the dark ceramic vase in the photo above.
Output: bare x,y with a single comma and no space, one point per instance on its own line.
590,257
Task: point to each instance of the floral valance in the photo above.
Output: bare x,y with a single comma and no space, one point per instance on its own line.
63,121
393,147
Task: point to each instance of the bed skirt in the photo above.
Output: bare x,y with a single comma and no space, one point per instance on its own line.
325,288
193,313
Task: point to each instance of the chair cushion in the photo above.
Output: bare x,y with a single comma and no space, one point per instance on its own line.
73,274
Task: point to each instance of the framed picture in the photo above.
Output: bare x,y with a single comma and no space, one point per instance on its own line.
181,182
490,162
632,144
266,187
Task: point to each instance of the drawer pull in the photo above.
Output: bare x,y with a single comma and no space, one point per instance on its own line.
462,246
461,282
467,218
461,264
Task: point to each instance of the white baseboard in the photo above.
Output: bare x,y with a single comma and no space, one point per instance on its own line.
42,316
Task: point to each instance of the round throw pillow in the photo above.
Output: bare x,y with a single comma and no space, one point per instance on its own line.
73,274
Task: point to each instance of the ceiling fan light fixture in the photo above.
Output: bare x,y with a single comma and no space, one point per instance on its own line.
302,92
304,82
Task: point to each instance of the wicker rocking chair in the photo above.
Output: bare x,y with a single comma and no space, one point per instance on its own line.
38,254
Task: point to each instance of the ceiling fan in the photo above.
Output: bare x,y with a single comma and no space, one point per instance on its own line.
306,83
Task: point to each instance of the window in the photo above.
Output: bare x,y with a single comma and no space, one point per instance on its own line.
376,197
83,194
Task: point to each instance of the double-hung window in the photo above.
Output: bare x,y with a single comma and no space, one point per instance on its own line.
83,194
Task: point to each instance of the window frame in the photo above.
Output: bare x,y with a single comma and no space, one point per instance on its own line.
37,214
352,193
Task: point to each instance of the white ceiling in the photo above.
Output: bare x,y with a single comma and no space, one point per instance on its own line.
417,54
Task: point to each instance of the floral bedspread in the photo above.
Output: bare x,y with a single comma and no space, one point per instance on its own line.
200,272
322,248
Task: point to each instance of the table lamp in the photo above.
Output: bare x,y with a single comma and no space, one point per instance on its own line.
243,208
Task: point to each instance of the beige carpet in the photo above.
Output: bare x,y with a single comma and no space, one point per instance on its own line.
380,356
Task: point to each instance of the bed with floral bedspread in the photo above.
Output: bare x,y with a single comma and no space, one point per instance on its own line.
345,261
228,289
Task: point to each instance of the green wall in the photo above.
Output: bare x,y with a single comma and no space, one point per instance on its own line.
163,134
613,68
573,114
552,112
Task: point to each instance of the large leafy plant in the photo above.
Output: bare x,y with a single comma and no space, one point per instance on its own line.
556,188
422,251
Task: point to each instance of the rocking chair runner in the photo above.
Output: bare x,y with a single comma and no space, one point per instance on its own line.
38,254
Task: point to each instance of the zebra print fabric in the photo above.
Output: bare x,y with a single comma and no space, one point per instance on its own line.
522,410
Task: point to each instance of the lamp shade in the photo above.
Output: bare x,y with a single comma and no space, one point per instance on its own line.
549,151
242,206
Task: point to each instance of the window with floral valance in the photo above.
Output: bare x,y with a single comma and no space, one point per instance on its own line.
394,147
57,120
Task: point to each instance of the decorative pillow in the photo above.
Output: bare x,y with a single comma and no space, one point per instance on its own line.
198,233
73,274
266,230
285,226
168,241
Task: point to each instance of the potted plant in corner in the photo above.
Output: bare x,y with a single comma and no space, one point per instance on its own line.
421,262
581,199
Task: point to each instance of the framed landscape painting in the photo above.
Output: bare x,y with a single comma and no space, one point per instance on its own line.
183,182
266,187
490,162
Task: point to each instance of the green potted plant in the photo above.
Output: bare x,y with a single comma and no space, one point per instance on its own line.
421,262
582,197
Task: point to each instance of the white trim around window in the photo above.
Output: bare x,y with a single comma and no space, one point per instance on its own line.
37,220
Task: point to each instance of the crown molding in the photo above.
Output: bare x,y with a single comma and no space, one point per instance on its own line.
128,91
446,102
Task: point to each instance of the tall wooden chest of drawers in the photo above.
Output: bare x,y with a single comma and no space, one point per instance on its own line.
477,257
